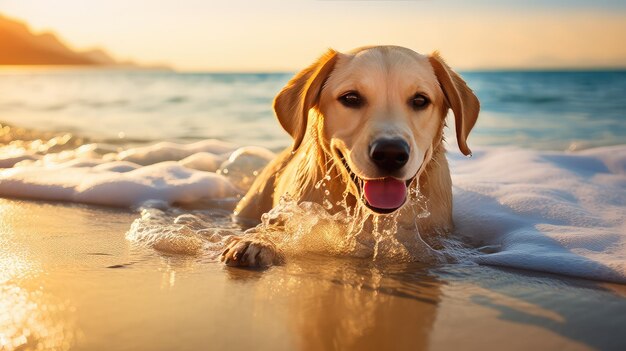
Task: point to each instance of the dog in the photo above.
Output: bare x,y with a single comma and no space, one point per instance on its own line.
371,122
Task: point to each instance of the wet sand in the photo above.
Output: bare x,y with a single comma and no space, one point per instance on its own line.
70,280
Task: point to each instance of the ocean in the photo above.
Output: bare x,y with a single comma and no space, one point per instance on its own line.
561,110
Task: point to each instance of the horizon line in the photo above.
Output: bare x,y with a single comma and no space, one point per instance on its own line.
30,68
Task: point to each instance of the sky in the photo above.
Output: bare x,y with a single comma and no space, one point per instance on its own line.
286,35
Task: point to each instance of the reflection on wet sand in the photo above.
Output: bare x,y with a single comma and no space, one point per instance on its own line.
30,317
69,279
572,314
352,304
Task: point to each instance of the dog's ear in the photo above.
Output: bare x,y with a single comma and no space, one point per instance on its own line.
293,103
460,99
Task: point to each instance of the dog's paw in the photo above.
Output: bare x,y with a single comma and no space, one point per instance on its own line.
251,253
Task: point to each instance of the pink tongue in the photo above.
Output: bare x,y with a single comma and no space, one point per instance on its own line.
387,193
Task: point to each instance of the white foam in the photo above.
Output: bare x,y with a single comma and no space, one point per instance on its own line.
105,184
244,164
166,151
556,212
164,173
203,161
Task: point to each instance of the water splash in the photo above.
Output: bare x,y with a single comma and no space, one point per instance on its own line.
175,231
294,227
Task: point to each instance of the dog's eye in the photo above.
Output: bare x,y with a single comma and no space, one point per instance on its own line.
351,99
419,101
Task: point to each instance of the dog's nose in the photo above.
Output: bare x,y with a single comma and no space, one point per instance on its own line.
389,154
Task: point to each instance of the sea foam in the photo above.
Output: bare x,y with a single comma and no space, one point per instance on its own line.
558,212
164,174
555,212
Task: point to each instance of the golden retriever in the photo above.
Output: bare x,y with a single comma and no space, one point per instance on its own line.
371,121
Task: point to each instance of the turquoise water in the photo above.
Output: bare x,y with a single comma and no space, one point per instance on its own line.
540,110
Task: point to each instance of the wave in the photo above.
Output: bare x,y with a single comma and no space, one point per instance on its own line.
555,212
558,212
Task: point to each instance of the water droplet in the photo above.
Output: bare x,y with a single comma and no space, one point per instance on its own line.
327,205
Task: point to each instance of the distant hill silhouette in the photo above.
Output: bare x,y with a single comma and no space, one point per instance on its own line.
20,46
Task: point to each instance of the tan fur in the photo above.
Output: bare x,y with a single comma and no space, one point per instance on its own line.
461,99
323,129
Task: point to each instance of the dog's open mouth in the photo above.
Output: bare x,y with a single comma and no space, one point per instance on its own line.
381,195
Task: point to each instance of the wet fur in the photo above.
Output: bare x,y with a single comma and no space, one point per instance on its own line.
298,168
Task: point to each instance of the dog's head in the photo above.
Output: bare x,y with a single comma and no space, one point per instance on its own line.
379,113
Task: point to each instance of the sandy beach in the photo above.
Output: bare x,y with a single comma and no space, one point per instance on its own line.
70,279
